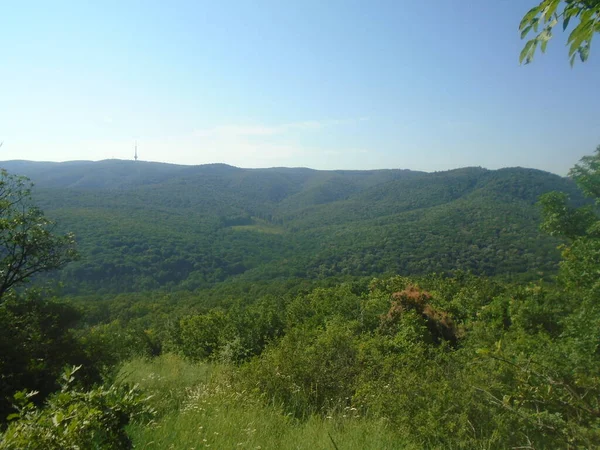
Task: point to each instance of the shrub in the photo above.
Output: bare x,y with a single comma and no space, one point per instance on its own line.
74,419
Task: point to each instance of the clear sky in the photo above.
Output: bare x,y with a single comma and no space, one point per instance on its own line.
327,84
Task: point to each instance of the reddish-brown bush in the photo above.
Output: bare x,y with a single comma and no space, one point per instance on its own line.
438,322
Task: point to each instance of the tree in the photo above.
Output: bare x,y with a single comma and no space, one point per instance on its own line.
548,14
561,219
580,266
587,175
27,243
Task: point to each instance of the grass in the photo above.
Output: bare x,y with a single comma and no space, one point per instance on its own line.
259,226
199,409
166,378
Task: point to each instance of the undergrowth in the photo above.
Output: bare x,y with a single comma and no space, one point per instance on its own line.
199,408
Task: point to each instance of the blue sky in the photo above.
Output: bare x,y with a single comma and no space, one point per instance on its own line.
323,84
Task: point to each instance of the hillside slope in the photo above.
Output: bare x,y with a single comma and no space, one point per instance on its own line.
144,225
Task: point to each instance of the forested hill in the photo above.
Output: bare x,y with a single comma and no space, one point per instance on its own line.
143,225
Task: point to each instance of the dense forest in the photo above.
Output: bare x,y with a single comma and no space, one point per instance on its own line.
145,226
293,308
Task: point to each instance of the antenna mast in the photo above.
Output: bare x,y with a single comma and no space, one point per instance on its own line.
135,157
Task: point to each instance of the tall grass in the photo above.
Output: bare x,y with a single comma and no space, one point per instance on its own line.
198,408
166,378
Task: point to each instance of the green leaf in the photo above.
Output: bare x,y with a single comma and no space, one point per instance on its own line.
566,23
586,16
584,52
550,9
530,15
526,53
525,31
576,38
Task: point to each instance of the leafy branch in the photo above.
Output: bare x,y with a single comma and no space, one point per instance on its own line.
547,15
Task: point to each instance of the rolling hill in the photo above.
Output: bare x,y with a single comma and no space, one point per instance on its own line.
143,226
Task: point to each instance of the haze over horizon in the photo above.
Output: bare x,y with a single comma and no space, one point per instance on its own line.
336,85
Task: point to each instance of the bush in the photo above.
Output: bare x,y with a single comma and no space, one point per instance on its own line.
308,371
75,419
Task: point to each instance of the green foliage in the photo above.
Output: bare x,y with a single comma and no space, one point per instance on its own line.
27,244
519,372
521,369
113,343
587,175
200,335
147,227
36,342
167,379
549,346
580,265
311,370
585,13
239,334
436,361
76,419
560,219
209,412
